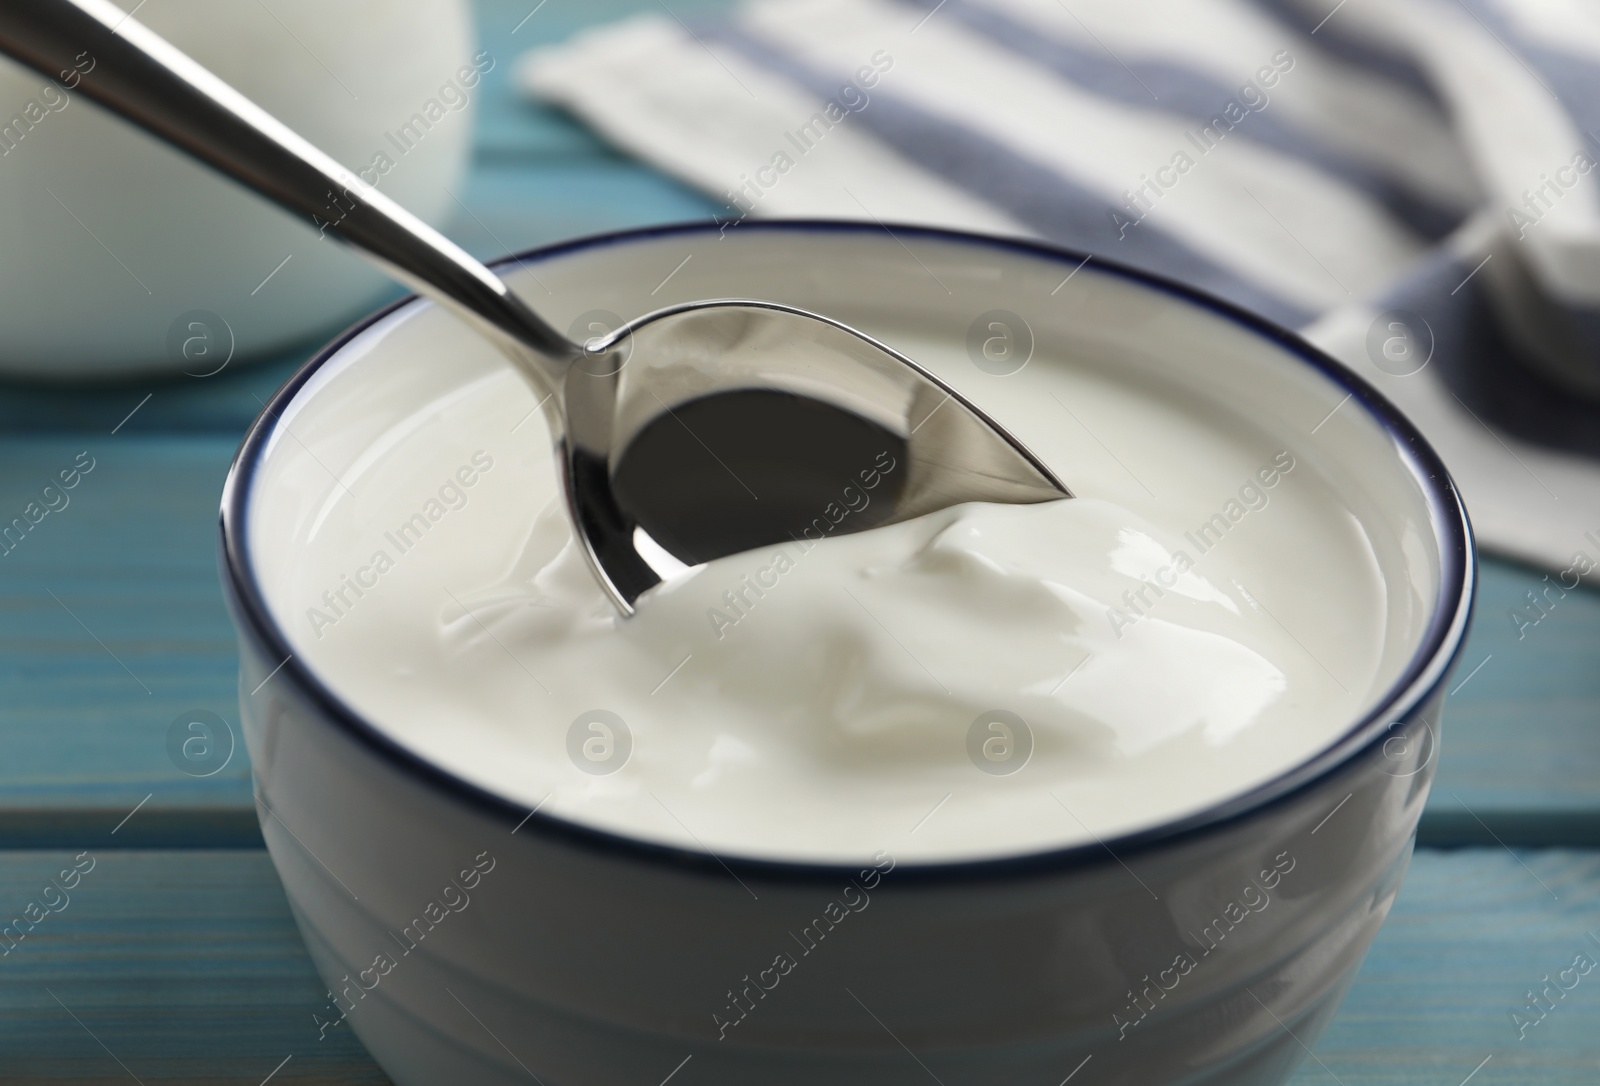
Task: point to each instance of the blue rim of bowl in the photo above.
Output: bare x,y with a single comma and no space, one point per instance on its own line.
1427,670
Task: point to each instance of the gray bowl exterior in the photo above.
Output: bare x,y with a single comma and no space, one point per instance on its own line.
591,961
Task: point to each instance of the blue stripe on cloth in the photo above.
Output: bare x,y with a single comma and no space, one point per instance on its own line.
1184,91
1395,63
1480,364
1036,195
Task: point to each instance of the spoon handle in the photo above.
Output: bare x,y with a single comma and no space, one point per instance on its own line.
94,47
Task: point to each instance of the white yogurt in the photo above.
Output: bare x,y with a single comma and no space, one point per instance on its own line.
988,680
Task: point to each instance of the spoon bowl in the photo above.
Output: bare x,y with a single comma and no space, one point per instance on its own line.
715,427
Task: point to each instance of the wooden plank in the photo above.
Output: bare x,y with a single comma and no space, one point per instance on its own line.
188,968
510,125
112,625
1520,750
224,403
517,208
1471,934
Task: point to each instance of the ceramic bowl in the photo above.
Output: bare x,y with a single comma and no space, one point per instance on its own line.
125,257
468,939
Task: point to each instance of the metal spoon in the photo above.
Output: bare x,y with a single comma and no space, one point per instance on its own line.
771,369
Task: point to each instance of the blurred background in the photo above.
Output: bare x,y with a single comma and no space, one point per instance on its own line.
1408,184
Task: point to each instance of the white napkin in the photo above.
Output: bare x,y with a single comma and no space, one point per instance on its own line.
1408,182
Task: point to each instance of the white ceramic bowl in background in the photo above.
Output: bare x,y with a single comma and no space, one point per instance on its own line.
111,238
469,940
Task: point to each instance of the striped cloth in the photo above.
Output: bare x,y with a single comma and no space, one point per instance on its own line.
1336,165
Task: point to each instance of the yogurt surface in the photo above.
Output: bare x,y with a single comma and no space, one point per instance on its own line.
984,681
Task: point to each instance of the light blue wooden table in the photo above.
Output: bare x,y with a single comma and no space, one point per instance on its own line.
176,959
